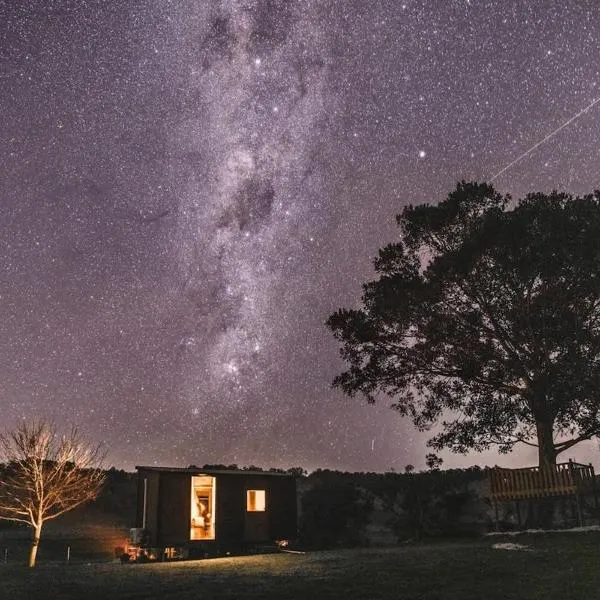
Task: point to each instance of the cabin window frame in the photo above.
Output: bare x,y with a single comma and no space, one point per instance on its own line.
256,500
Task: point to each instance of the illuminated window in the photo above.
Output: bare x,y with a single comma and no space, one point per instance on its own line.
256,501
203,506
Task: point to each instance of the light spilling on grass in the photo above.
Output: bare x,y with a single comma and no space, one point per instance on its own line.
510,546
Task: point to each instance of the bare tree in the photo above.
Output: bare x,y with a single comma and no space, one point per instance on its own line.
46,475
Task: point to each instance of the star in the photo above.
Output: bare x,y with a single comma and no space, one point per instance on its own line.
190,189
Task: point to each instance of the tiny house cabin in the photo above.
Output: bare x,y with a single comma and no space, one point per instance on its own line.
195,512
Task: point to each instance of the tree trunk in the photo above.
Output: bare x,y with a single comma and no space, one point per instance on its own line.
547,462
37,532
546,449
419,529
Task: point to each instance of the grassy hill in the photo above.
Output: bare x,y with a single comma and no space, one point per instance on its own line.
551,566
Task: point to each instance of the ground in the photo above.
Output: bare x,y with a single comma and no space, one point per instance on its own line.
545,567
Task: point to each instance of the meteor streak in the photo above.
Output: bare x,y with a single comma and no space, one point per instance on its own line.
551,134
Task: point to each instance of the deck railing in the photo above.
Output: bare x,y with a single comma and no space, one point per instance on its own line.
534,482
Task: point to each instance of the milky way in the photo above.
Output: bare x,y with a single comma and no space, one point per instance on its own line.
189,189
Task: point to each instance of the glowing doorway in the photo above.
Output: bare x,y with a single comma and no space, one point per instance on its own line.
204,490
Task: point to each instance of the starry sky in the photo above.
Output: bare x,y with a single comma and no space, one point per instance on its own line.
188,189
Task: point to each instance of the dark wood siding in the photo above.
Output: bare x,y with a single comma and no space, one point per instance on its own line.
168,504
175,508
256,527
230,509
282,509
151,503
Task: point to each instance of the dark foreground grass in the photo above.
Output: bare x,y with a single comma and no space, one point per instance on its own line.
557,566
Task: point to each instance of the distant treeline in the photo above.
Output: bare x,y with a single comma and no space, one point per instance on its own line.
117,500
350,509
343,508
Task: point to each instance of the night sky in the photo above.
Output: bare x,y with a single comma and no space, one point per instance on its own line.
189,188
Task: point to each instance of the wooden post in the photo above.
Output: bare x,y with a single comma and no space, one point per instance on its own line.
518,507
5,555
496,514
595,490
579,515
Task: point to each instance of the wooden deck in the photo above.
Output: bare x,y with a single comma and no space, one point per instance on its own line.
565,479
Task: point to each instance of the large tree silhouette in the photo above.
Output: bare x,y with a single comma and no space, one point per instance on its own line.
46,475
485,319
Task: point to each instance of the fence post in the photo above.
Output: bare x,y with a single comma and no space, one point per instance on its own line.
5,555
497,523
68,553
579,511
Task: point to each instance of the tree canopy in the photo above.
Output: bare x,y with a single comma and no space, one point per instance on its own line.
485,318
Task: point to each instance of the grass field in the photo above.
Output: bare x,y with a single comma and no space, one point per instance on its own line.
555,566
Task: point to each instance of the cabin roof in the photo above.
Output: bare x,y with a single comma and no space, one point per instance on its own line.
208,471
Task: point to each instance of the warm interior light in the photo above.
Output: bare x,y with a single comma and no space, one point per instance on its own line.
203,505
256,500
